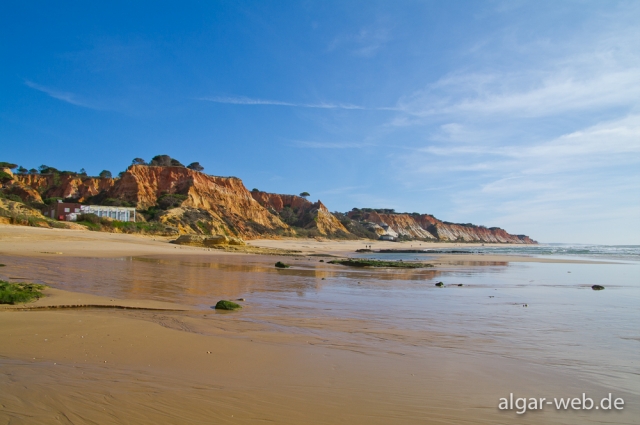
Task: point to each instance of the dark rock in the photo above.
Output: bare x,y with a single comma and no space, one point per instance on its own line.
282,265
439,284
597,287
460,284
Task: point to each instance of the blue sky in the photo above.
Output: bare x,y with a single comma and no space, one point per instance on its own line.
523,115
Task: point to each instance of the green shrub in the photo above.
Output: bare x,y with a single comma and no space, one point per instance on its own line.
227,305
49,201
113,202
11,293
11,197
170,200
89,217
5,177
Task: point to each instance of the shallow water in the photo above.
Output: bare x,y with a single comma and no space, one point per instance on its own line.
593,335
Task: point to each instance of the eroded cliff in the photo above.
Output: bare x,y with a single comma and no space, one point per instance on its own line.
427,227
303,213
204,204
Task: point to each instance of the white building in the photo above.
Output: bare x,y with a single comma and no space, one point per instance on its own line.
115,213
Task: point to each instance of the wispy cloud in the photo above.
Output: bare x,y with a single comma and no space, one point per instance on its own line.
607,144
243,100
60,95
330,145
496,95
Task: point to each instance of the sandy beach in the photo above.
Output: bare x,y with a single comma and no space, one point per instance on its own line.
126,334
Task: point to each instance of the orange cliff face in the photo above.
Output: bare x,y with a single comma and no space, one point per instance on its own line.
225,202
325,222
427,227
213,204
40,186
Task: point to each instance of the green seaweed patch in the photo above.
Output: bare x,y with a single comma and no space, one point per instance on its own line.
282,265
3,265
227,305
380,263
11,293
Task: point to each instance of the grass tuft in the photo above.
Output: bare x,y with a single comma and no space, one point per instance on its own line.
227,305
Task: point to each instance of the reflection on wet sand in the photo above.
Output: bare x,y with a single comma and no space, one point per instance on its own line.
195,281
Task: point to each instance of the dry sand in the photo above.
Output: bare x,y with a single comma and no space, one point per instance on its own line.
84,364
33,242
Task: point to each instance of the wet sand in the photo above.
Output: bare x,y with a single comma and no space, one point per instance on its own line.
311,345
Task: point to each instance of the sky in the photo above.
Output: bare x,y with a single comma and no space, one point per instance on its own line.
523,115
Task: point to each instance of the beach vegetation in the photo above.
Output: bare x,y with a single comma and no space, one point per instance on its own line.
11,197
12,293
45,169
164,161
227,305
138,161
170,200
5,177
52,200
282,265
195,166
115,202
9,165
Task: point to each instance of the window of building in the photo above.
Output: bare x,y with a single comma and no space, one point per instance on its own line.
67,210
77,210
